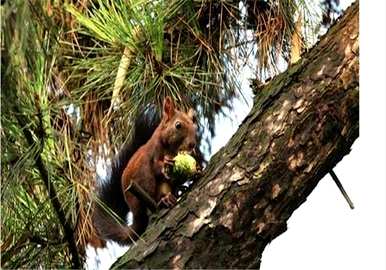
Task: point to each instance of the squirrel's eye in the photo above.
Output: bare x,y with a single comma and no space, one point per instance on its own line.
178,125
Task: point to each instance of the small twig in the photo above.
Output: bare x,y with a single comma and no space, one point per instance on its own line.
137,191
341,188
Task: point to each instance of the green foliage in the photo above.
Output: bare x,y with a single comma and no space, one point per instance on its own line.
168,51
32,235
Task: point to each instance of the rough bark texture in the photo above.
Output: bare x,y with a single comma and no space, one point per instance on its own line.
300,127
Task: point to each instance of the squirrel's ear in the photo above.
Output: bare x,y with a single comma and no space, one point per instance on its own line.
192,114
168,108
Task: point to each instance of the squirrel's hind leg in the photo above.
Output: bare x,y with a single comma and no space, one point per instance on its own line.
140,218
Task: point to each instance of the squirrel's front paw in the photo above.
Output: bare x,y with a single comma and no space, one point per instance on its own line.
165,172
168,160
169,200
167,167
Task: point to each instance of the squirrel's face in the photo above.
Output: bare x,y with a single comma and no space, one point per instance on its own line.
179,128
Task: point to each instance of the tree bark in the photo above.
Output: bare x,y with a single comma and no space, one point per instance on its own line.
301,125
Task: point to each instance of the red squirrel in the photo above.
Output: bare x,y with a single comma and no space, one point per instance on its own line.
176,132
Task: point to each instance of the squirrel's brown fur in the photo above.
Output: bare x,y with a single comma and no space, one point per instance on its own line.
176,132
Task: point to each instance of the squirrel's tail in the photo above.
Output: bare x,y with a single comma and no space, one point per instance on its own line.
111,209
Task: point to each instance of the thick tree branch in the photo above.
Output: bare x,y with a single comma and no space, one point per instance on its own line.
300,127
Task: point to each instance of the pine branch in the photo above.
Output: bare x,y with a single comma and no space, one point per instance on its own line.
68,231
